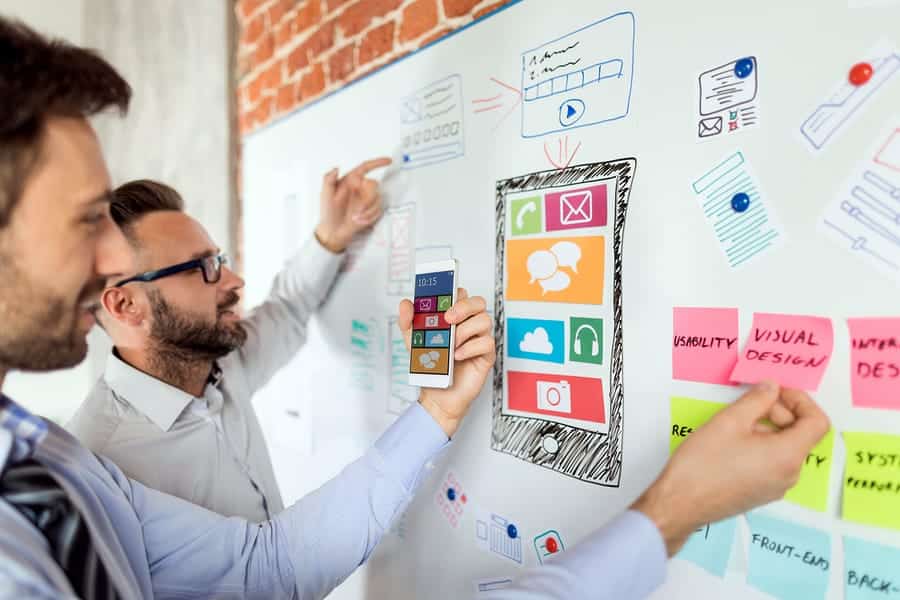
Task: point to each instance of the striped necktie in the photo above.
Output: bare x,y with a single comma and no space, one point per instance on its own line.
29,487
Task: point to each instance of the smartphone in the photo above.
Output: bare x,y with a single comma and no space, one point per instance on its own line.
433,339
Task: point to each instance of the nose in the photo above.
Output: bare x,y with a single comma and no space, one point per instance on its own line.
231,280
113,252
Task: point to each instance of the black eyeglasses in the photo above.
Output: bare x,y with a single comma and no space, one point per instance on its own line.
210,266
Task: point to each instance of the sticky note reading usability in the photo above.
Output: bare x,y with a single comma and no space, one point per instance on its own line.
872,479
788,561
704,344
710,546
811,490
875,363
793,350
687,415
871,571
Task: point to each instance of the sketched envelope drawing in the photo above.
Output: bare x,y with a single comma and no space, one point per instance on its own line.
576,207
710,126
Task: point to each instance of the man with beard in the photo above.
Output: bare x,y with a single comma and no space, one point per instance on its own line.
73,525
173,408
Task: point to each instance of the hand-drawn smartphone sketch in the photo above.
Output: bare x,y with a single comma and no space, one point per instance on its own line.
582,78
432,121
566,417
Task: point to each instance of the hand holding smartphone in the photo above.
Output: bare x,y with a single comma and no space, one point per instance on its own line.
433,339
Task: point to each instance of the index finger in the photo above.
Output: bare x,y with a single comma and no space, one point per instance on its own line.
810,424
465,308
365,167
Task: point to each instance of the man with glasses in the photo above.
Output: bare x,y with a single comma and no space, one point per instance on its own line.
173,408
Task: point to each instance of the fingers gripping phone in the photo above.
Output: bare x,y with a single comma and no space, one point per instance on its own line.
433,339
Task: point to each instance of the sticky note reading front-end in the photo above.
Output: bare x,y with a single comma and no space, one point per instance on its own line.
871,571
704,344
875,362
787,560
811,490
872,479
791,349
687,415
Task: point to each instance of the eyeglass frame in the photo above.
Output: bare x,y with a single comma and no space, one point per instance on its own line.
197,263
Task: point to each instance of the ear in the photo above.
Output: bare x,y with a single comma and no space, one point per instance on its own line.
121,305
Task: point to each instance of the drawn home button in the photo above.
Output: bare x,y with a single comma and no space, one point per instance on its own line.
550,444
570,112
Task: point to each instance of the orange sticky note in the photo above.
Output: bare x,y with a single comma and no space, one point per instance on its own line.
564,269
704,344
875,362
793,350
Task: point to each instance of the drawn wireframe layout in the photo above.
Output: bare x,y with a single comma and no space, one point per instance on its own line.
451,499
582,78
728,98
567,417
364,350
400,394
432,122
498,535
491,584
845,102
401,249
865,215
736,210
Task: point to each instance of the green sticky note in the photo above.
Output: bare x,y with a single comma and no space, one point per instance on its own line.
526,215
811,490
687,415
872,479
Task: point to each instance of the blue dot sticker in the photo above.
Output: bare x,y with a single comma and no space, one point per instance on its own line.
743,68
740,202
511,531
451,494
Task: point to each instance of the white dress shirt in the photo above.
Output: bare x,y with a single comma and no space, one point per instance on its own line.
209,450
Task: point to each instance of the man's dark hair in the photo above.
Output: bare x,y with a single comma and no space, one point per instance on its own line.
41,78
137,198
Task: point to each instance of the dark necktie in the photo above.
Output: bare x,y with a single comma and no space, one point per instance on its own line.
29,487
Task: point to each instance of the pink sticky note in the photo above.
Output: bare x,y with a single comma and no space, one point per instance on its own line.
704,344
875,362
791,349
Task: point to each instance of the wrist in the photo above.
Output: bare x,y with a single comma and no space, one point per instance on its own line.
661,503
328,240
446,422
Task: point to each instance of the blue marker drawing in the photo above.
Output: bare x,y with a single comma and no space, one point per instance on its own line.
400,394
710,546
787,560
492,533
743,235
865,216
831,115
536,339
870,570
432,120
582,78
729,98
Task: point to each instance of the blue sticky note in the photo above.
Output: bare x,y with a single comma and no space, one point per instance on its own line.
536,339
787,560
870,570
710,546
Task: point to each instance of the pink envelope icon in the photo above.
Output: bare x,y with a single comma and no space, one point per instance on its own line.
576,208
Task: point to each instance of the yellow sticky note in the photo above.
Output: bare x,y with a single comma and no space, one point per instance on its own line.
872,479
687,415
811,490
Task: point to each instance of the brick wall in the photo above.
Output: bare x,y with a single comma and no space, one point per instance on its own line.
292,51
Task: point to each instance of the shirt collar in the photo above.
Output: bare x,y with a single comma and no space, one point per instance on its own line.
157,400
24,431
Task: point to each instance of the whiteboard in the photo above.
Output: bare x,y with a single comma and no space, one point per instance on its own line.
474,127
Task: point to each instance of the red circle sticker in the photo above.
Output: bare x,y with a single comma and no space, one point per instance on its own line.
860,73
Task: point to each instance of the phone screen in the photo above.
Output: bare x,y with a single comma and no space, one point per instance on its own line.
430,354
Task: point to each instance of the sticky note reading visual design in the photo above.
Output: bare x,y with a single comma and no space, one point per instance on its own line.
875,363
710,546
791,349
788,561
811,490
704,344
871,571
687,415
872,479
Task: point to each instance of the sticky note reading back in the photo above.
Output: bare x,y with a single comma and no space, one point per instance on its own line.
872,479
793,350
704,344
875,363
811,490
788,561
710,546
870,570
687,415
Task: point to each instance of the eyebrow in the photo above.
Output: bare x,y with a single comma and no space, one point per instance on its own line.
106,197
204,254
